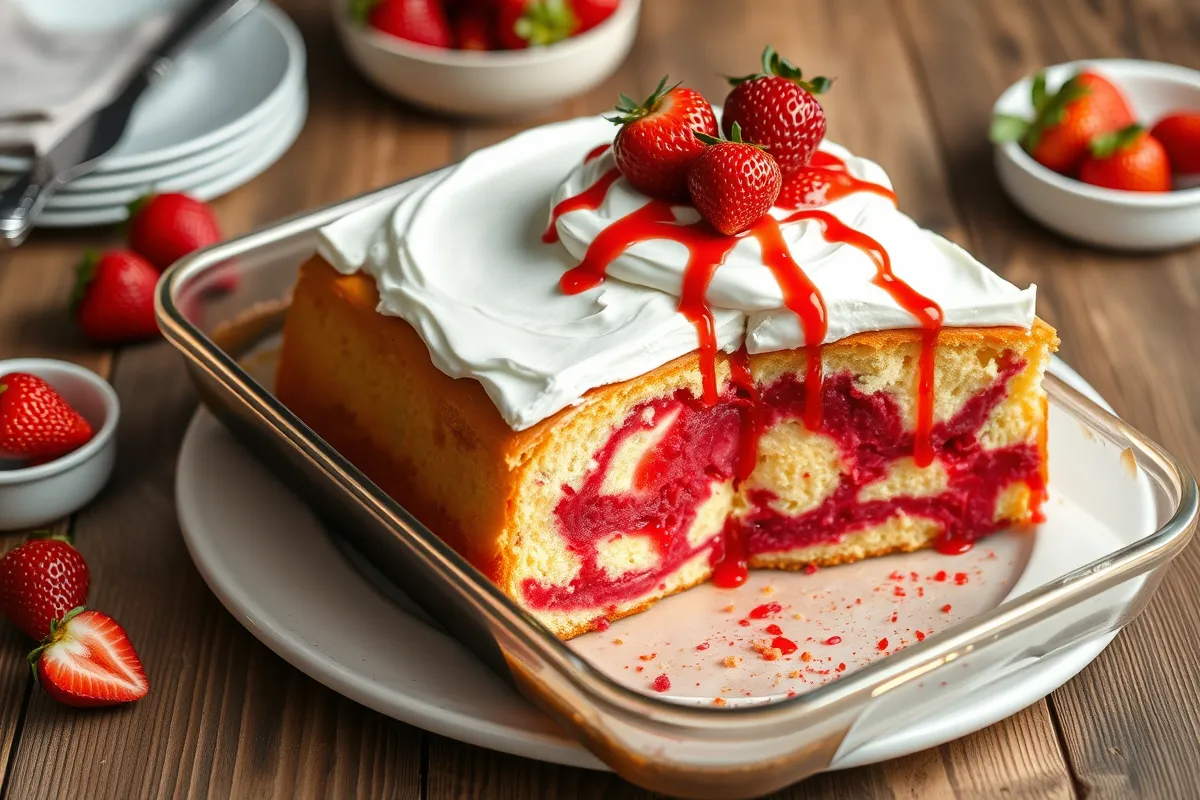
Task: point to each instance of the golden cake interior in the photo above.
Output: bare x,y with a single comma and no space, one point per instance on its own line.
641,490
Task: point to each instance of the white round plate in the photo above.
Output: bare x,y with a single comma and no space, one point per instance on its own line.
241,169
283,107
224,88
273,133
280,573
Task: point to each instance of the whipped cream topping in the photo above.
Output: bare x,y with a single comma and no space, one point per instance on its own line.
460,258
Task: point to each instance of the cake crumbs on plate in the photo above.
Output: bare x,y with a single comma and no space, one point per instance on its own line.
618,641
648,656
732,661
729,609
720,701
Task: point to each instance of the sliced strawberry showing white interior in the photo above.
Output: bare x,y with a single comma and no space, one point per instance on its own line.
88,660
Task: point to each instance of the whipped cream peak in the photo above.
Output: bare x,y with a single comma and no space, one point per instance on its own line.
461,257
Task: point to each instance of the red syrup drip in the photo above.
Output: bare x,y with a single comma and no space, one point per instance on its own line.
590,199
824,180
803,299
784,645
754,416
596,152
926,311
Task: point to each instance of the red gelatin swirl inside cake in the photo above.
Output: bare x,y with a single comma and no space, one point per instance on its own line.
702,446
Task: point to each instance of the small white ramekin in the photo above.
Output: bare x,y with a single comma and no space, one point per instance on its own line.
33,496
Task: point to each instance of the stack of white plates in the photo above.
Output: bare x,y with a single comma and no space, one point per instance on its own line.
230,109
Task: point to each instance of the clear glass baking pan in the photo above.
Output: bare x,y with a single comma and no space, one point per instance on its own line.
694,750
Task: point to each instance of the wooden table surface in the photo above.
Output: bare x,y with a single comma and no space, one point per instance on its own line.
915,82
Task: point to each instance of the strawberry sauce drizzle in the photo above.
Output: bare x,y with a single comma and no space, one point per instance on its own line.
926,311
589,199
596,152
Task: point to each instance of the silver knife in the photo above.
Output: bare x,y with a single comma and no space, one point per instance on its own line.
76,153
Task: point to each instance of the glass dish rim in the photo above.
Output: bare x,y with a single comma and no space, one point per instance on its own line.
919,659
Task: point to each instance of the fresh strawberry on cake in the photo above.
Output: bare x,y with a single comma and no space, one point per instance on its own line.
708,362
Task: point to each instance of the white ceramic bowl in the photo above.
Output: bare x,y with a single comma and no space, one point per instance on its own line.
503,82
1106,217
33,496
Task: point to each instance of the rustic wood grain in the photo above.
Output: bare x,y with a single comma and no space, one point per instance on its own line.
1129,323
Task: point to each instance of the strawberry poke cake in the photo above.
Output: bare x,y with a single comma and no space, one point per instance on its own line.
729,349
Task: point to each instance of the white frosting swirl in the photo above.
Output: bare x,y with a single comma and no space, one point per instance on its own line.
460,258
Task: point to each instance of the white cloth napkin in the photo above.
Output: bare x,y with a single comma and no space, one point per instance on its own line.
51,79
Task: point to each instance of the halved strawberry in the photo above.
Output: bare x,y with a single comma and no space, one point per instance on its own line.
657,144
87,660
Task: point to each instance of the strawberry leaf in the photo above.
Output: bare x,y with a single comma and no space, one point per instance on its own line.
628,109
546,22
1108,144
1053,109
84,272
1038,93
1007,128
360,10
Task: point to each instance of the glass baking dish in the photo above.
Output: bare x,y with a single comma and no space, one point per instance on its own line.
218,305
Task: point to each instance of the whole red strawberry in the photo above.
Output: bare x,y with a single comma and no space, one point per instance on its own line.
420,21
1179,134
88,661
522,23
1065,122
776,108
1129,159
733,183
591,13
36,423
657,142
40,581
114,297
164,228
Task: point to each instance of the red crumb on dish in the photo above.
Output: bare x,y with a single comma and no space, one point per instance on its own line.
898,592
920,636
960,578
946,608
702,646
662,683
765,610
896,575
841,667
774,630
940,576
809,569
648,657
832,640
745,623
640,668
883,644
895,616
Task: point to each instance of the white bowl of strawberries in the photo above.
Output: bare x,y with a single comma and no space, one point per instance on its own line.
58,425
486,57
1105,151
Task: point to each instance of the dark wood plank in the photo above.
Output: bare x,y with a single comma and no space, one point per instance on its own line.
857,43
1129,323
